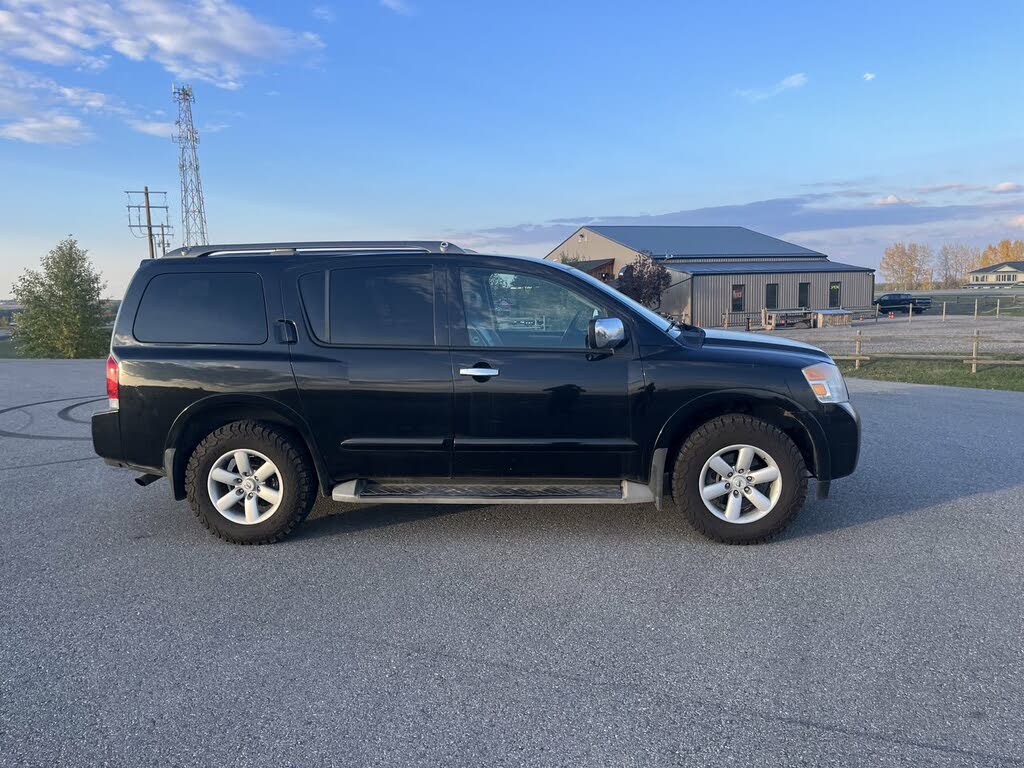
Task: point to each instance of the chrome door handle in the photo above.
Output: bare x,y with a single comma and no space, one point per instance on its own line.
478,371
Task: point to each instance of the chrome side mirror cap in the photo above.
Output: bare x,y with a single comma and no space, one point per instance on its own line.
606,333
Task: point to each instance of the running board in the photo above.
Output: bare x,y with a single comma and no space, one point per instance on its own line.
370,491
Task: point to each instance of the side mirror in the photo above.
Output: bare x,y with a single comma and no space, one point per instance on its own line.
606,333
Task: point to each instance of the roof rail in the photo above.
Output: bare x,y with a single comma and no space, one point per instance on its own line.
328,246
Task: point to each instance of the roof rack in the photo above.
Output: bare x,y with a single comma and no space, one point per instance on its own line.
291,249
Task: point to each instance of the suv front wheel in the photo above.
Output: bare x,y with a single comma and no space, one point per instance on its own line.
250,483
739,480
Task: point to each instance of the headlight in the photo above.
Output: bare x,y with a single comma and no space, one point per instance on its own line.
826,382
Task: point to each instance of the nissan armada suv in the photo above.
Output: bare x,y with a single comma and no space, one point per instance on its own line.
254,377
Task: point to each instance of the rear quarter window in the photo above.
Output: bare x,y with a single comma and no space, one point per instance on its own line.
202,308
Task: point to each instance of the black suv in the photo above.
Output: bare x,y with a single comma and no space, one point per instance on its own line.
903,302
254,376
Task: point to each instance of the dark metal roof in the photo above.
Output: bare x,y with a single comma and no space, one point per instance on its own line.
1018,265
693,242
291,248
587,266
761,267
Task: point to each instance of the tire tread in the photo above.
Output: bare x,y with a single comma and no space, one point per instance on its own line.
259,433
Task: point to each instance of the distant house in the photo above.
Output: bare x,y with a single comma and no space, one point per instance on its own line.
721,271
1009,274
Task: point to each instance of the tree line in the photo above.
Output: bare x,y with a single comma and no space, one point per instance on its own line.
915,266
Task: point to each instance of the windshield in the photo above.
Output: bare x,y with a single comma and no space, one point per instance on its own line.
657,320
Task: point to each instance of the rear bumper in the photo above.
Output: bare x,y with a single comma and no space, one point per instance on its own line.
106,436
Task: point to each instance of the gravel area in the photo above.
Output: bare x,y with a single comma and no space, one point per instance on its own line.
927,333
884,629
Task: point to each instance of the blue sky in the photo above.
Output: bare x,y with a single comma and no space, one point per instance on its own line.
502,126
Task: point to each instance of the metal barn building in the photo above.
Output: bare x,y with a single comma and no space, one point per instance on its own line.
722,274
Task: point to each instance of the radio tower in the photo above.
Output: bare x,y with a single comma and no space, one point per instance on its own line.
193,208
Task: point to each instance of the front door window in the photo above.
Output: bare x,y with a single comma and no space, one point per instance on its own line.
516,309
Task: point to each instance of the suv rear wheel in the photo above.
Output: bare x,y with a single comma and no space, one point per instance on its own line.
250,483
739,480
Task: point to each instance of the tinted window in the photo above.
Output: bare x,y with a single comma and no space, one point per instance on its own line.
203,308
771,296
803,298
737,297
382,305
515,309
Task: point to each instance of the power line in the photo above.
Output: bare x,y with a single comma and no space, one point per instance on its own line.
193,207
141,212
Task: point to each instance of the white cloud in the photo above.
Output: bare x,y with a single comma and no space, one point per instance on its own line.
46,129
215,41
398,6
868,76
895,200
324,13
1017,221
1005,187
162,129
952,186
798,80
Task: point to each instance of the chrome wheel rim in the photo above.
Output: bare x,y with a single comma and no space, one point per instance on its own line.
740,484
245,486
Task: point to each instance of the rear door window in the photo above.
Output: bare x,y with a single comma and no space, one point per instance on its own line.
375,306
202,308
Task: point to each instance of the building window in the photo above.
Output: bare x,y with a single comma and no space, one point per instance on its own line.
804,295
738,302
835,295
771,296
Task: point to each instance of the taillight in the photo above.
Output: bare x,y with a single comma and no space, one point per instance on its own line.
113,373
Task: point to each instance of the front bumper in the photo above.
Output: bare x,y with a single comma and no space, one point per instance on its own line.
842,430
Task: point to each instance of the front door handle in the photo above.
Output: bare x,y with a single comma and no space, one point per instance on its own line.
478,372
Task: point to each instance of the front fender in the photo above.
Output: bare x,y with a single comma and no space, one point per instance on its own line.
690,414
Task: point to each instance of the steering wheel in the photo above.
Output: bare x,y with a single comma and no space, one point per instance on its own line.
571,326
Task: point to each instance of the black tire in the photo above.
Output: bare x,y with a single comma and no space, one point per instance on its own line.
283,450
719,433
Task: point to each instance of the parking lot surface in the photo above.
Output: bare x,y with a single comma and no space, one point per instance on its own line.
884,628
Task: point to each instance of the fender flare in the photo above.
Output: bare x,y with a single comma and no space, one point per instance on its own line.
801,416
174,458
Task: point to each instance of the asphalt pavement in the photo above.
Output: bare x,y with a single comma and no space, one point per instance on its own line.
884,628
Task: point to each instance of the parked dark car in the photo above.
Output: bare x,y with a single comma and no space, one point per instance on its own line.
254,377
902,302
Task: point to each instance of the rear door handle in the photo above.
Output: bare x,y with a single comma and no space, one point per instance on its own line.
483,372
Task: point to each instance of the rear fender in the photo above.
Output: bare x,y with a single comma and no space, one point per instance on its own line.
203,416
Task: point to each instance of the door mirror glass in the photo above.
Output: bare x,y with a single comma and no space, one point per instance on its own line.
606,333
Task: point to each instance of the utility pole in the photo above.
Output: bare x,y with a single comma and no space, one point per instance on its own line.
193,207
140,217
149,223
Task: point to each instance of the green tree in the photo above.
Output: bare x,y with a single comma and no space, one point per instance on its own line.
644,280
62,315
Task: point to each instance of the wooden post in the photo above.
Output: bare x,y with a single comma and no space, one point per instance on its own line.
943,311
997,308
725,319
856,363
876,313
974,351
975,310
910,312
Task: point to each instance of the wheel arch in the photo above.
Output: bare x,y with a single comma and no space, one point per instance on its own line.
798,424
209,413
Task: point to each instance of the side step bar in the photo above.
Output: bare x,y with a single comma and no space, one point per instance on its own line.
369,491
